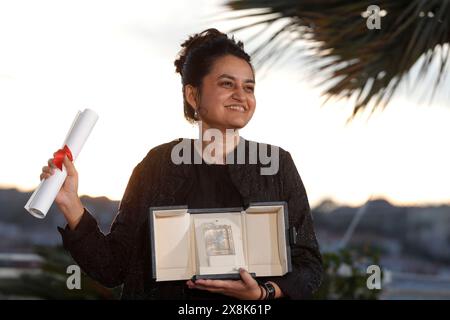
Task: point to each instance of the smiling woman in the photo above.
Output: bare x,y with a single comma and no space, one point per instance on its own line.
218,81
218,86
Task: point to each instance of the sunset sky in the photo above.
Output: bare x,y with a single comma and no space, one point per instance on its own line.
116,57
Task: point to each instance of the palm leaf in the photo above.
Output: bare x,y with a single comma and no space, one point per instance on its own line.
367,65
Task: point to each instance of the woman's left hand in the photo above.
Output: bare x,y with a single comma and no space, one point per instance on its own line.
245,289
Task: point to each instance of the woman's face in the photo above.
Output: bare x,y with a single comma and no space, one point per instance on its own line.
227,99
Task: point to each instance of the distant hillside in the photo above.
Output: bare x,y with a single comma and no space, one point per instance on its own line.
422,231
18,229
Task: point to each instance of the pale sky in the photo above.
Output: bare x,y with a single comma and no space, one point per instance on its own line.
116,57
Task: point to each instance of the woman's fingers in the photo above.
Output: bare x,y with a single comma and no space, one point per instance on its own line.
246,277
50,163
46,172
47,169
69,167
215,283
210,289
50,169
44,176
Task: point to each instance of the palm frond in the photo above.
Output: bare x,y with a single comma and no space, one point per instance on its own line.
356,62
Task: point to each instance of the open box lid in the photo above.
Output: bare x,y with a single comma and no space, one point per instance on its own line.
188,242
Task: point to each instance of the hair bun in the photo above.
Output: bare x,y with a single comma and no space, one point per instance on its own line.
193,42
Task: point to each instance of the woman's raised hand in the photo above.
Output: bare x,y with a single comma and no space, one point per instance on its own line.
67,198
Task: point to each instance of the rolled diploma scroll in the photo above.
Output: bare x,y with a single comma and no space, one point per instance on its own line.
44,195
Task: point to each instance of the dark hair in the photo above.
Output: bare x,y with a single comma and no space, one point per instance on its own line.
198,53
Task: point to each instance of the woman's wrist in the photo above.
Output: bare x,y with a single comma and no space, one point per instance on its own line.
277,293
263,293
73,212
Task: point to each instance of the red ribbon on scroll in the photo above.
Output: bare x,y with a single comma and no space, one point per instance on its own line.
58,156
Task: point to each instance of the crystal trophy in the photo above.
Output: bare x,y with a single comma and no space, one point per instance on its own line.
218,239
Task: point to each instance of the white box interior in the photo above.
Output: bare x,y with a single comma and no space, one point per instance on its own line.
259,242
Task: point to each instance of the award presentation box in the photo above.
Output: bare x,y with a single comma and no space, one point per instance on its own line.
215,243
